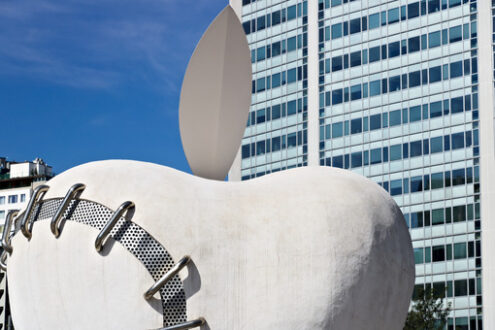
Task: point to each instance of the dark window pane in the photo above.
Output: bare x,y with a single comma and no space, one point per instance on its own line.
394,83
276,111
260,148
413,10
435,109
355,25
460,288
276,17
416,219
276,48
375,122
337,96
416,184
456,69
375,54
435,74
247,27
415,148
357,159
458,177
260,116
454,3
394,49
356,126
415,113
413,44
246,151
457,141
336,63
260,23
396,187
276,143
356,58
291,140
438,253
338,161
414,79
457,104
433,6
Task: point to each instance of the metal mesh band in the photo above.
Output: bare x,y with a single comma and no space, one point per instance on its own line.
135,239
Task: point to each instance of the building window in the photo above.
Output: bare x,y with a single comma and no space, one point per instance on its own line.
337,31
356,58
337,63
438,253
460,288
460,251
12,199
23,198
418,255
2,200
2,214
374,54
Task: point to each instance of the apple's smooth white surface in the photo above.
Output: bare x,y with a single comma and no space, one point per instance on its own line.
65,284
308,248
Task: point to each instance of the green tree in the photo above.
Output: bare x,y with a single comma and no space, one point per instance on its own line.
428,311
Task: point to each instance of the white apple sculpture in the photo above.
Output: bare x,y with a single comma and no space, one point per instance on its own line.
308,248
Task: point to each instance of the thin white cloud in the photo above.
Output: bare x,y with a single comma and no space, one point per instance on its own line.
100,44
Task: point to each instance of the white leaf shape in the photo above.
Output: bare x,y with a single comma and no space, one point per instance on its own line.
215,97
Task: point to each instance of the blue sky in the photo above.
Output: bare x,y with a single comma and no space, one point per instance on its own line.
95,79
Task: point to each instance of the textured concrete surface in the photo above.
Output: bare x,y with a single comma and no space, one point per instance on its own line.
308,248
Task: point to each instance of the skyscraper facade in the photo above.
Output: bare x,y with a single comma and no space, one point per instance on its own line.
401,92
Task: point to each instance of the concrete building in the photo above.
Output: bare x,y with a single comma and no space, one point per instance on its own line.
17,181
401,92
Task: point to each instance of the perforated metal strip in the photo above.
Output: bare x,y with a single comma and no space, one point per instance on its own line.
135,239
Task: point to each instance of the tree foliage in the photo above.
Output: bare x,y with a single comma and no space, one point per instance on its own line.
428,312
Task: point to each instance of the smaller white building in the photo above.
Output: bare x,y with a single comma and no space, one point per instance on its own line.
17,181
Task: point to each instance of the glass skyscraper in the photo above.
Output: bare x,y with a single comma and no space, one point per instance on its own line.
401,92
